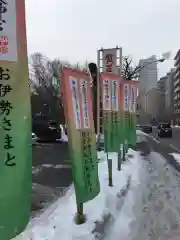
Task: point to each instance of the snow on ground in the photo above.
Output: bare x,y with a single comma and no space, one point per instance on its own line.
141,136
139,132
126,222
64,137
160,211
176,126
176,156
58,220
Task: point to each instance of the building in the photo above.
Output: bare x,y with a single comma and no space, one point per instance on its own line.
148,76
155,102
161,84
176,88
169,93
165,86
147,81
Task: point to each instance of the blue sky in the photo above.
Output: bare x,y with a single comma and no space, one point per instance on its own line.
74,30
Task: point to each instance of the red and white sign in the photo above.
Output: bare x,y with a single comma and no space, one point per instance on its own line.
8,41
126,99
84,101
75,102
130,93
106,94
110,92
4,43
115,94
133,98
77,99
110,60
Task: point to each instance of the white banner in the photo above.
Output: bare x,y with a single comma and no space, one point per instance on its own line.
106,92
115,95
109,59
8,41
133,98
76,102
84,103
126,97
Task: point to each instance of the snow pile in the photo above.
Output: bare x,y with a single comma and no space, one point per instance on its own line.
176,126
64,137
141,136
139,132
102,212
126,224
176,156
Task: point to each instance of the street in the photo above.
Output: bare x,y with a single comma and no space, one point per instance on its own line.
51,173
173,142
166,146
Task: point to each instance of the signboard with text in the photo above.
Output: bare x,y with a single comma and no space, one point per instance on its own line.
129,96
8,39
82,140
109,60
111,111
15,121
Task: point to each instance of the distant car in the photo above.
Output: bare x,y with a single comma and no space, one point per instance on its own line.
47,131
146,128
34,138
100,142
165,130
65,130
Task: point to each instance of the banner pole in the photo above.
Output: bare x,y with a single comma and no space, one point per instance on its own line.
98,92
120,71
80,217
109,171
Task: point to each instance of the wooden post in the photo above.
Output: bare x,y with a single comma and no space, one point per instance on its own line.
124,153
110,171
119,158
126,146
80,217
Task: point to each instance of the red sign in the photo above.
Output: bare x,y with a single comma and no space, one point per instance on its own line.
3,44
109,63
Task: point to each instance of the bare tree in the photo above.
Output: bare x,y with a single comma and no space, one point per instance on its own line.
45,78
45,84
128,71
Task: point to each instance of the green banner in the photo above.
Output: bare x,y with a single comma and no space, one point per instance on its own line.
116,132
84,166
132,124
107,130
111,112
81,135
126,127
121,127
132,114
15,122
90,168
113,131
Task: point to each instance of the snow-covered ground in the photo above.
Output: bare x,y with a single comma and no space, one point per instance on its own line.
102,212
175,126
143,204
176,157
160,211
64,137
